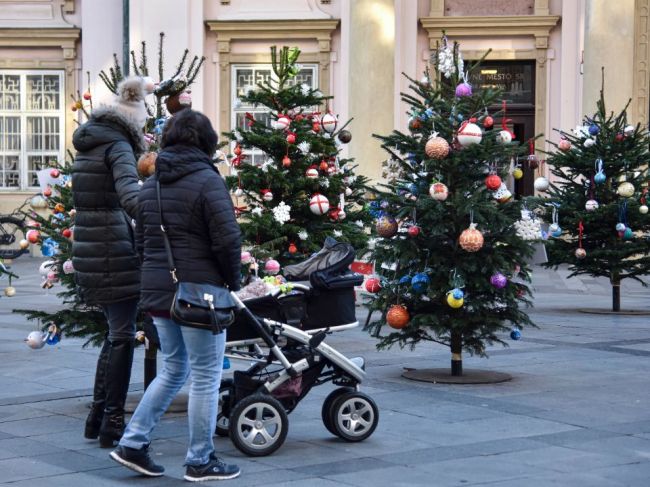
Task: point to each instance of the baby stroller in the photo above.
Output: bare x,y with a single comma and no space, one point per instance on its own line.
283,336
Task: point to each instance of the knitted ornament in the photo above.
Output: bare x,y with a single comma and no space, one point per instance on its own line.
439,191
436,147
319,204
469,133
397,316
272,267
471,240
503,194
504,137
267,195
528,228
493,182
386,226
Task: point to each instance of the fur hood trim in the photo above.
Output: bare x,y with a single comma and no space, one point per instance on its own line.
113,116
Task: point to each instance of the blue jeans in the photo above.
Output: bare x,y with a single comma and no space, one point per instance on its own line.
185,350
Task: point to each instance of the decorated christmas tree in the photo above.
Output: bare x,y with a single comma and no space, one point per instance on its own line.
53,229
301,191
450,265
600,190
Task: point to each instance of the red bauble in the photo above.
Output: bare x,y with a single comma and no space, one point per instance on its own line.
237,150
373,285
33,236
55,173
315,126
488,122
323,165
292,248
67,233
87,95
286,161
414,231
291,138
397,316
493,182
334,214
619,137
47,192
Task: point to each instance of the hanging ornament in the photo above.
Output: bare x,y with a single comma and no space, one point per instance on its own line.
414,124
267,195
628,234
580,253
292,248
237,150
67,267
471,239
420,282
517,173
505,135
600,177
463,89
594,129
291,138
626,190
286,162
413,231
436,147
455,298
323,165
541,184
591,205
643,209
515,334
348,191
272,267
47,192
33,236
469,133
488,122
38,202
554,228
619,137
58,208
36,340
397,316
620,227
23,244
373,285
564,145
239,192
529,227
319,204
66,232
345,136
331,170
498,280
282,123
503,194
589,143
311,173
386,226
439,191
10,291
493,182
55,173
329,122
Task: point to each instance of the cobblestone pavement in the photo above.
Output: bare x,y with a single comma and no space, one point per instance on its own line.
577,412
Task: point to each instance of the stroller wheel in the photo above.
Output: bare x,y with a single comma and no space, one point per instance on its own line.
226,396
354,416
326,411
258,425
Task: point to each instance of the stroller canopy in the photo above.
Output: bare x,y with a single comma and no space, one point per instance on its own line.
333,259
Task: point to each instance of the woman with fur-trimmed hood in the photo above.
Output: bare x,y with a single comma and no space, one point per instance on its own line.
105,190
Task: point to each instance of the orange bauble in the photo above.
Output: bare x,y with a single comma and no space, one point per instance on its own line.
59,208
471,239
292,248
324,166
397,316
493,182
147,164
436,147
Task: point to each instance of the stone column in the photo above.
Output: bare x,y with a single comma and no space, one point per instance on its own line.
609,43
371,80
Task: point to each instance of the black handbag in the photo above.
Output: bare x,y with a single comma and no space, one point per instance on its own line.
197,305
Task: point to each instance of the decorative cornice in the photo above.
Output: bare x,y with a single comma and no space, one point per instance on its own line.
502,26
64,38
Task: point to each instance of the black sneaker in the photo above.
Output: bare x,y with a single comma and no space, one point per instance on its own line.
137,460
215,469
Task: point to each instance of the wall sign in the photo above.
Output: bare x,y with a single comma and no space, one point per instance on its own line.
515,78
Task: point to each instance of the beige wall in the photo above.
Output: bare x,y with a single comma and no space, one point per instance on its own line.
609,42
371,73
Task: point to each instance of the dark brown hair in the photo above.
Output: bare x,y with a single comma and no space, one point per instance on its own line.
189,127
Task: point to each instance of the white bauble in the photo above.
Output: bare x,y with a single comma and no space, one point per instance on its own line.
628,130
10,291
36,340
620,227
469,134
239,192
282,123
626,190
643,209
541,184
591,205
504,137
329,122
319,204
348,191
589,143
68,268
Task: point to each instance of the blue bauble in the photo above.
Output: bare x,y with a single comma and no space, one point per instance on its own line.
428,113
374,209
420,282
593,129
457,293
49,247
557,233
515,334
405,279
628,234
600,177
53,339
413,189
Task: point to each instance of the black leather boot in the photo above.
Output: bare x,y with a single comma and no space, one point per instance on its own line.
94,419
118,375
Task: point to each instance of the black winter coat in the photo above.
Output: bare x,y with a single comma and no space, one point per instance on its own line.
200,220
105,193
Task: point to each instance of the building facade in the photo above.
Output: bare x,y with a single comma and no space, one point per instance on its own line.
546,54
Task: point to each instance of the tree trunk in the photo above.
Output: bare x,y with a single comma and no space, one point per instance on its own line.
456,353
616,295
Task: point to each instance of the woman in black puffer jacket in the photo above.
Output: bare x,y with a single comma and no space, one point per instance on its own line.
205,241
105,191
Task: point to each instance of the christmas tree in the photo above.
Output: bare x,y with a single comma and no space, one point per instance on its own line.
302,191
450,266
53,231
600,190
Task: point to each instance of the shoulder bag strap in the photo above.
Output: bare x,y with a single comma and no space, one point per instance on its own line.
168,247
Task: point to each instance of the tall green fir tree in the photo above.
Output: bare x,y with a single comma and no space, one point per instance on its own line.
51,219
301,190
600,190
450,265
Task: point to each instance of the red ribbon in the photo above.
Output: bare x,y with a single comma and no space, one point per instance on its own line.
581,229
504,121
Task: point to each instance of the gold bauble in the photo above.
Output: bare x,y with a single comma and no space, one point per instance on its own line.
397,316
386,226
10,291
436,147
453,302
517,173
23,244
471,240
626,190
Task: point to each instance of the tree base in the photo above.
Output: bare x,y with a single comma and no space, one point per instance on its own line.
598,311
443,376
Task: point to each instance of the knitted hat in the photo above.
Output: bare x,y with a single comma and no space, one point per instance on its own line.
130,100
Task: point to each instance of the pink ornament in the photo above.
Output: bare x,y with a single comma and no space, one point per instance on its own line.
498,280
67,267
246,257
463,89
564,145
272,267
